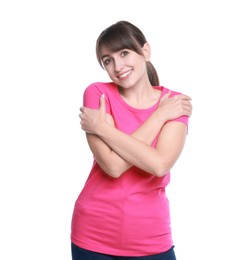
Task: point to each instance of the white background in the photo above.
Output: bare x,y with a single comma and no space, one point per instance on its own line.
47,58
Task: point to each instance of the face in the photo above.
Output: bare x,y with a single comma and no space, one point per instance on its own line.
125,68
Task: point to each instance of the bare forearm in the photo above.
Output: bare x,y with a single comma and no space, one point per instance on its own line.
131,149
110,161
149,129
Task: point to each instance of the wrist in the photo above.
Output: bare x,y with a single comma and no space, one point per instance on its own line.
160,116
102,128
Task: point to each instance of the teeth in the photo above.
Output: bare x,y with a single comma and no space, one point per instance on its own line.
125,74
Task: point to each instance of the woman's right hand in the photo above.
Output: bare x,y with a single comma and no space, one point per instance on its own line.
92,119
173,107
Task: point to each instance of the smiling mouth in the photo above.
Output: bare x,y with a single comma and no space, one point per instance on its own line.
125,75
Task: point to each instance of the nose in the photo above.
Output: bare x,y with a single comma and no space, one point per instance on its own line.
118,65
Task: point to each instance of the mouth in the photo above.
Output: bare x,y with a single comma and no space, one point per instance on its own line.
125,75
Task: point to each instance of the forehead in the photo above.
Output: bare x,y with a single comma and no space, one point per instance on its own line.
105,51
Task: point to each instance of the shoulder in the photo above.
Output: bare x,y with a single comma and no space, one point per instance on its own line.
93,92
182,119
99,87
173,92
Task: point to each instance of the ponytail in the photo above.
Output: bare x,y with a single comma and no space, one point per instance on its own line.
152,74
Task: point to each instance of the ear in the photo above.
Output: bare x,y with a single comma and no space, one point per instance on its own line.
146,51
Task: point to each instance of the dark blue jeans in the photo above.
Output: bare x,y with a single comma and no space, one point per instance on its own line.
83,254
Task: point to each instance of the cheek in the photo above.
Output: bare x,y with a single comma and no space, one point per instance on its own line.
108,70
110,73
144,67
141,63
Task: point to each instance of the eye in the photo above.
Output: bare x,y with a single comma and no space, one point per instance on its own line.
106,61
124,53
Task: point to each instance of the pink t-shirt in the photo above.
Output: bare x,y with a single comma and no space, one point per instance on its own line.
129,215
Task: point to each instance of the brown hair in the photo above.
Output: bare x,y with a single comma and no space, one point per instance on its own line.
124,35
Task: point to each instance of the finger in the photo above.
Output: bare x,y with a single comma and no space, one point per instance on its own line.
166,95
81,109
188,109
102,103
169,93
183,96
186,102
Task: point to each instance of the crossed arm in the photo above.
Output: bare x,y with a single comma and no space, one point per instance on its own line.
116,151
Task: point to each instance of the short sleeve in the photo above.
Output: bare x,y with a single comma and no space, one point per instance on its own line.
92,94
182,119
91,97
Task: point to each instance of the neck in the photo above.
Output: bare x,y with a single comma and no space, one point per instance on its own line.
142,96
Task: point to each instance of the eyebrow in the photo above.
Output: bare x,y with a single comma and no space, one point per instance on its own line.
104,56
108,55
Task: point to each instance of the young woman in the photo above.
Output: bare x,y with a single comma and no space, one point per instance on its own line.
136,130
